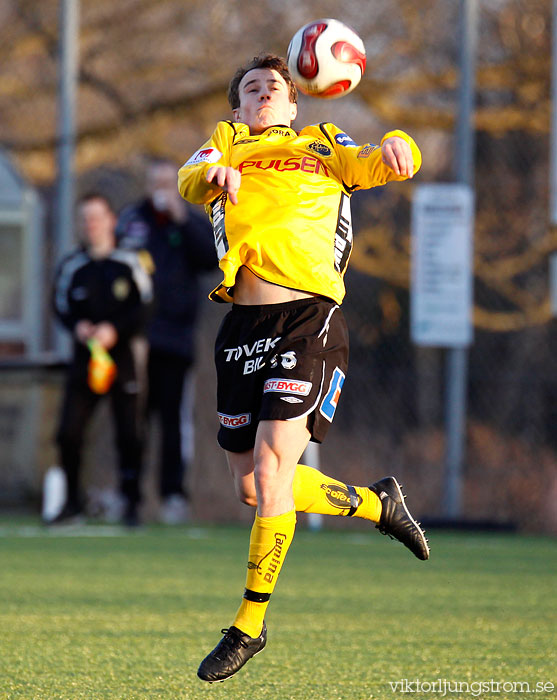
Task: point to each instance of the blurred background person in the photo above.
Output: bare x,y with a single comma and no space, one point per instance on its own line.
103,297
179,241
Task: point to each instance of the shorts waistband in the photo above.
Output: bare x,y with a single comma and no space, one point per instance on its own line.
277,308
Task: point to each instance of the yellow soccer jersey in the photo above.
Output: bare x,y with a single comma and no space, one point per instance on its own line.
292,225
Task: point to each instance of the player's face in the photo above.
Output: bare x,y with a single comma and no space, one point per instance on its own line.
264,100
97,223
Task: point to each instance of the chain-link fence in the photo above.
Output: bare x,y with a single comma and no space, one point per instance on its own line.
153,80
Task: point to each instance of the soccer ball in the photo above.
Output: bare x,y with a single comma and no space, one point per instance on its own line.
326,58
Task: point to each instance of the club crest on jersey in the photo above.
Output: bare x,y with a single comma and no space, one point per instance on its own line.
345,140
330,402
320,148
204,155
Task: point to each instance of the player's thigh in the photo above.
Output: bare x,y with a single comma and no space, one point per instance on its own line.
278,447
279,444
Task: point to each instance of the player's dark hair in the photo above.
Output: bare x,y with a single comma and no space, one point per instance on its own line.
263,60
92,196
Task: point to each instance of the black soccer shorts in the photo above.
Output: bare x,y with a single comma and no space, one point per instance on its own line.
279,362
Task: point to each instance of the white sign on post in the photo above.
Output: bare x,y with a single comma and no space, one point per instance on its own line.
442,233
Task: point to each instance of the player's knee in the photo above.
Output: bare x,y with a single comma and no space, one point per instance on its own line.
249,500
267,477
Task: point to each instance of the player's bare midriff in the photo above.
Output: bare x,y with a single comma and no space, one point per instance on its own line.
250,290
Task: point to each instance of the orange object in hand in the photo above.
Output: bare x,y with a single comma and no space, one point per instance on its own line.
102,368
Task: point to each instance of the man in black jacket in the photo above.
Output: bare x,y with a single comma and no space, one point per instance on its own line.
101,295
180,243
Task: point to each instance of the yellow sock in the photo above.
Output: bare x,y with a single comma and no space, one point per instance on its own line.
315,492
268,545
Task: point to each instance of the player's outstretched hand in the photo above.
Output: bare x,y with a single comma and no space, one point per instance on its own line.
397,155
227,178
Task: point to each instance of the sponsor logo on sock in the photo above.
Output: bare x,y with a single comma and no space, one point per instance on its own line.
269,568
338,496
275,562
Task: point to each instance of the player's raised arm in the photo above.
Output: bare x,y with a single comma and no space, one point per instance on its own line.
396,158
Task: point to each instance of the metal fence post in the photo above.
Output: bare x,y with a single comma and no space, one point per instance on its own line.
68,75
457,358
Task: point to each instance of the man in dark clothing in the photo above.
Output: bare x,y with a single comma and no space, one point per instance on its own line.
103,297
180,243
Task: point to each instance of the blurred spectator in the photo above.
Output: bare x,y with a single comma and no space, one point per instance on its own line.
103,296
180,243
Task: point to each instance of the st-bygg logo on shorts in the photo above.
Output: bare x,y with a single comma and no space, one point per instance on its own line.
329,403
238,421
287,386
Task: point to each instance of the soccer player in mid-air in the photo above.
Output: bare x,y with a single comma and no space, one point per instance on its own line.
279,202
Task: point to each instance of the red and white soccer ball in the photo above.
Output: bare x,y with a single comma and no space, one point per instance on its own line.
326,59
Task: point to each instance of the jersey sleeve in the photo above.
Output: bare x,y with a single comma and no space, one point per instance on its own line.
192,176
361,167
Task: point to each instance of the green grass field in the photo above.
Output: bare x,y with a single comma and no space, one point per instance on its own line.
100,613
